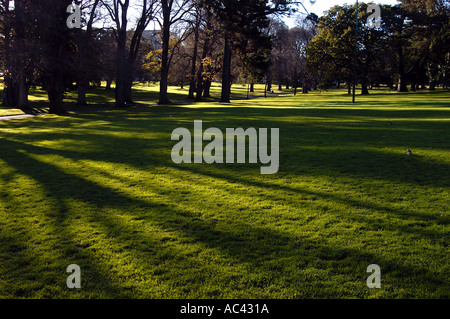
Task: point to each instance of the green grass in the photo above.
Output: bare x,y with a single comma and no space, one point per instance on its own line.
99,190
143,94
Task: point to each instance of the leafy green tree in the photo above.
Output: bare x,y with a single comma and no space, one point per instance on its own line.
17,28
330,54
55,49
207,68
244,21
416,40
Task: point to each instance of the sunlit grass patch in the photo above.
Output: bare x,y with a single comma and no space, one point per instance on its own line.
100,190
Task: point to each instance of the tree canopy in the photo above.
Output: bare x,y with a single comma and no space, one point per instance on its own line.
200,41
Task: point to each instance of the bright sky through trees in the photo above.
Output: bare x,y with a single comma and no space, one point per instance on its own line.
320,6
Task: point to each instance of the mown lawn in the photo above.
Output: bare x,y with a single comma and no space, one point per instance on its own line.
143,94
100,190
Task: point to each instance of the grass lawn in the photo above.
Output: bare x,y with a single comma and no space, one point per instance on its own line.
100,190
144,94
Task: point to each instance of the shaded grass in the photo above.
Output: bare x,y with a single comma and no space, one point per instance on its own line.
100,190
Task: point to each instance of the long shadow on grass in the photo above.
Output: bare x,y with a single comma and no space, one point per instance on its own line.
373,133
363,126
242,244
371,222
357,157
236,245
21,264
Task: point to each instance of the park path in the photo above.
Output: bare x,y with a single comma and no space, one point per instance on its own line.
16,117
26,116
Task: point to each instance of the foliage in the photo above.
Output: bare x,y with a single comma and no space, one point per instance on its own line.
400,51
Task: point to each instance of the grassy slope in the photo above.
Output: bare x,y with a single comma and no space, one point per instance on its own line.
99,190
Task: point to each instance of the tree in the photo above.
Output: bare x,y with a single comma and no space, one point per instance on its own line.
298,40
84,57
126,56
118,11
104,48
55,36
254,55
433,17
279,32
246,19
16,30
197,21
210,63
330,54
415,30
172,11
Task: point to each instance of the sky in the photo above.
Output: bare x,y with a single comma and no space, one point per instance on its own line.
318,8
323,5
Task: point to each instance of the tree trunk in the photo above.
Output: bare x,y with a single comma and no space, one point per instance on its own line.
192,88
304,89
364,89
121,72
55,96
129,84
207,89
163,95
22,89
401,86
81,71
15,86
83,41
82,88
202,86
56,87
108,85
252,87
226,73
15,94
9,96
